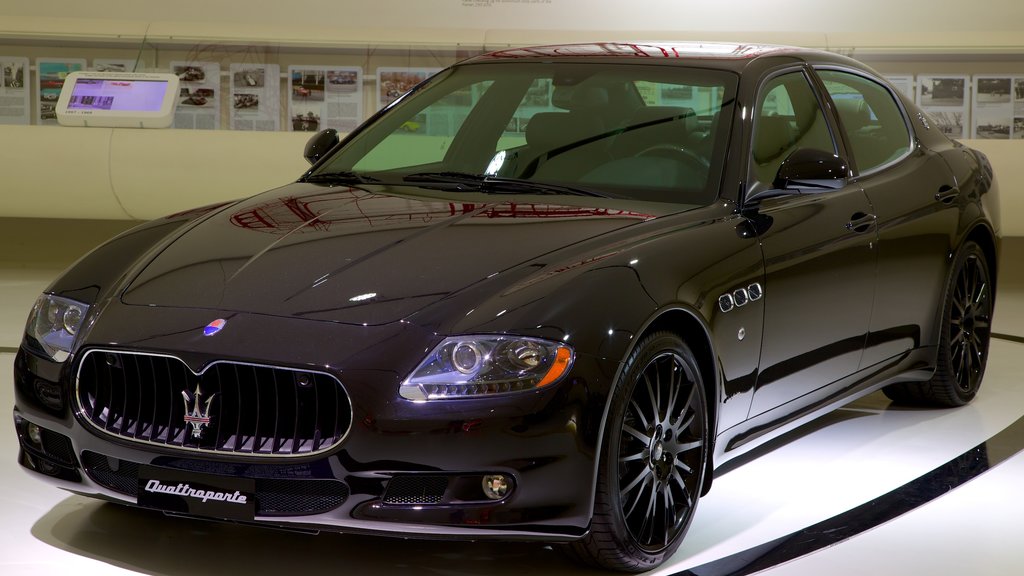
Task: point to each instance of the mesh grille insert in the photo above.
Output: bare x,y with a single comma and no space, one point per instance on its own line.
111,473
58,447
416,489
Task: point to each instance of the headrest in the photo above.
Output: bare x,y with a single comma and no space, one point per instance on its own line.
550,130
774,137
579,97
853,112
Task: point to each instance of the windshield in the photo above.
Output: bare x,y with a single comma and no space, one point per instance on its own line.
635,131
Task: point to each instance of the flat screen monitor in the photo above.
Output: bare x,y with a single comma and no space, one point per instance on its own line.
118,99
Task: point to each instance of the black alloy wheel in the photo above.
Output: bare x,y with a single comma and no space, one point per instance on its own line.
970,321
964,340
653,461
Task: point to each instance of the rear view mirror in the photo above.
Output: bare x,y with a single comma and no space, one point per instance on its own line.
811,168
320,144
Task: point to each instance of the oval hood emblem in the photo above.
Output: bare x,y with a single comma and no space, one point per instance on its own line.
214,327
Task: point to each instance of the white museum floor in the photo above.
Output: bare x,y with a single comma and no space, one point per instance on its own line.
815,475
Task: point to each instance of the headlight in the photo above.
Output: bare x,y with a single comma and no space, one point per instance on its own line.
54,324
474,366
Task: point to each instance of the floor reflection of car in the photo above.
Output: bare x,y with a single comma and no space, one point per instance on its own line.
560,335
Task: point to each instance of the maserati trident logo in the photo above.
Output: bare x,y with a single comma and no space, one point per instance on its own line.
197,412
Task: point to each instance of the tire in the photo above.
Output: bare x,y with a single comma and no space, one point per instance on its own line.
653,459
963,340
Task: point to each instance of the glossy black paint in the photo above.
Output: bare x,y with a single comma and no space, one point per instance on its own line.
852,279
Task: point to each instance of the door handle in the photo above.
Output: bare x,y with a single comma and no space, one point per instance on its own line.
861,222
947,194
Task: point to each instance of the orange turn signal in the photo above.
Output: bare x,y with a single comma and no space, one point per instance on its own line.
563,358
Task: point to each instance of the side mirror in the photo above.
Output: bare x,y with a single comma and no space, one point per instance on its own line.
320,144
812,168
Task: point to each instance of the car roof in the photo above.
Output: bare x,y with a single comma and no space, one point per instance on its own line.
728,56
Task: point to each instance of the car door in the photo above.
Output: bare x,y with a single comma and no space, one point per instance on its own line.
819,252
916,200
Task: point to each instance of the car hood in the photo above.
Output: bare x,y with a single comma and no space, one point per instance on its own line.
367,256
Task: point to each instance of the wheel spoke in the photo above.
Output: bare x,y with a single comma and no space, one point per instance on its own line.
656,398
962,365
636,434
671,514
682,466
686,447
646,529
678,479
965,384
981,294
644,476
632,457
639,414
653,403
673,397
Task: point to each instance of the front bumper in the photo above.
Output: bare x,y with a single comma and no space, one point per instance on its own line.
404,468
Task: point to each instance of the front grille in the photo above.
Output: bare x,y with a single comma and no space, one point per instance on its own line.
415,489
236,408
274,496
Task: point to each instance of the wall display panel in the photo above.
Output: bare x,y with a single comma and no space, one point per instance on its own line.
945,99
199,97
393,82
997,110
255,96
118,100
113,65
320,98
14,92
904,83
51,74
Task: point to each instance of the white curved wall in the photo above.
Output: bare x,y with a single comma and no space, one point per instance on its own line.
125,173
883,16
121,173
136,174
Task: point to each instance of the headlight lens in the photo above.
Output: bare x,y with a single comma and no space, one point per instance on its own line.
474,366
54,324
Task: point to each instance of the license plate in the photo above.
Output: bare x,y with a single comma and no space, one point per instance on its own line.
195,493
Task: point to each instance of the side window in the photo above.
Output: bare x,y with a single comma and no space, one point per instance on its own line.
874,125
787,117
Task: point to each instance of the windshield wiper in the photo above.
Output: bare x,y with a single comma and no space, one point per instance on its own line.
500,185
344,177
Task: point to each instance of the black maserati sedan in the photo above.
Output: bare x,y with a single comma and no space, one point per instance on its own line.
591,276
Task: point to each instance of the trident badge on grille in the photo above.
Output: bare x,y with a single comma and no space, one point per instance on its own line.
198,415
